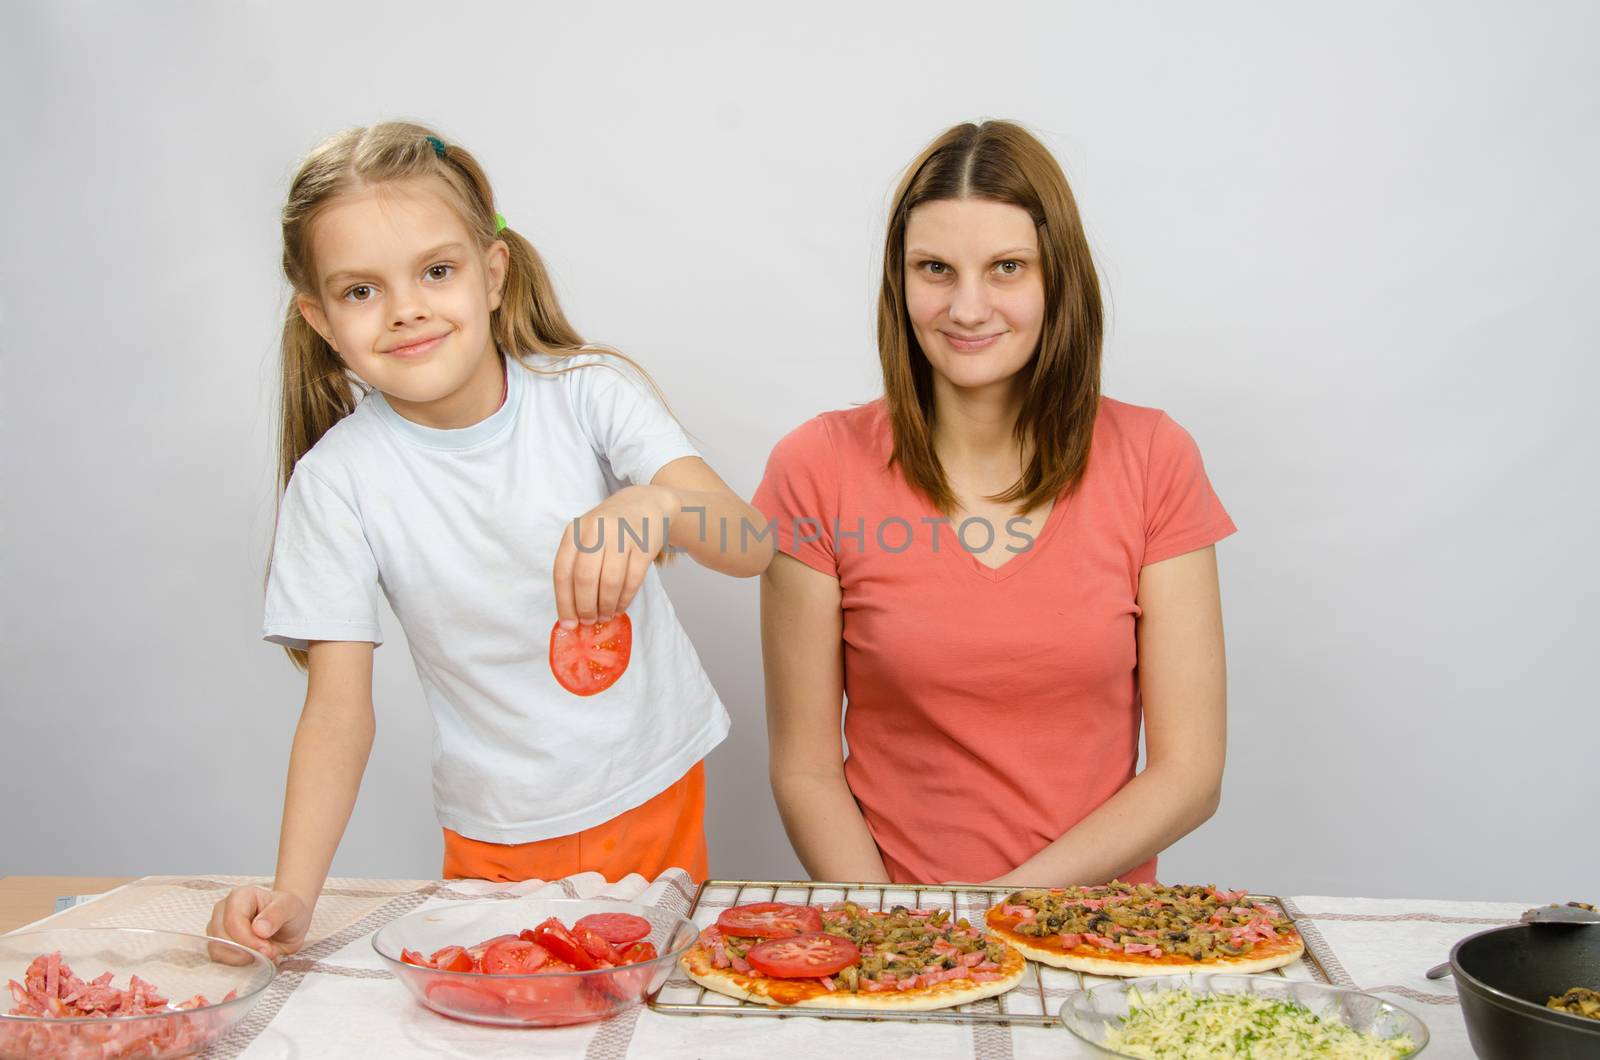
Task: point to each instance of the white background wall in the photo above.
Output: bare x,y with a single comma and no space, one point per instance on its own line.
1350,247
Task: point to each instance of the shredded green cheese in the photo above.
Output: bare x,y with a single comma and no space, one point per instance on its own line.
1179,1025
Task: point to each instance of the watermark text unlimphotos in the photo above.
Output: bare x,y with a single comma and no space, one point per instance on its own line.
894,534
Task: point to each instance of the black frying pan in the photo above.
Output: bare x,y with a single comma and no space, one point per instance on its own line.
1504,977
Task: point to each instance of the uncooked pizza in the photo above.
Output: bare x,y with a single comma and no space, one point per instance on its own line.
848,956
1133,929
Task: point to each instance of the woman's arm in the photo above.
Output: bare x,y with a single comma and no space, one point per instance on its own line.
802,627
331,746
686,505
1184,686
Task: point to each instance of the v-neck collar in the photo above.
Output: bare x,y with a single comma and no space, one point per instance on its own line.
946,531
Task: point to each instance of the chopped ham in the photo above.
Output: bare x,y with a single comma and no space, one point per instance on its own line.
1070,939
1026,912
827,982
50,990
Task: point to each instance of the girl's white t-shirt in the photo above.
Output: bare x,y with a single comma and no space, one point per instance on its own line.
459,530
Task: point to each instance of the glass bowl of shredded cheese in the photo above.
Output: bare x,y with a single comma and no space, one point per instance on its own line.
1181,1017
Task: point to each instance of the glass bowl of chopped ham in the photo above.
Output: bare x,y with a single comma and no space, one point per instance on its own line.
534,962
113,993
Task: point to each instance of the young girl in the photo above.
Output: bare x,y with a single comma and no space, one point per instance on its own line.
447,474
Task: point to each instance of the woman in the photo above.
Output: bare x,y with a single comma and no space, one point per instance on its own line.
1001,570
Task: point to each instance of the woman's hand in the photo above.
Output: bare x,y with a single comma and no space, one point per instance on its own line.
606,552
273,923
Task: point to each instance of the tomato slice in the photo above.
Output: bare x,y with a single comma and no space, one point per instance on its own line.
459,997
413,957
514,957
603,952
554,937
544,999
453,959
619,929
639,951
590,658
770,920
803,956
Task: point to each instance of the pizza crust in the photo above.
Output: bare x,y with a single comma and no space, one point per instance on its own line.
1285,950
804,993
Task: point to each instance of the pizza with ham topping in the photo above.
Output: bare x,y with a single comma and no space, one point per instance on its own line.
1145,929
847,956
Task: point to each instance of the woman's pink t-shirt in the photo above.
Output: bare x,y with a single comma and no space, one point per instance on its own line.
988,711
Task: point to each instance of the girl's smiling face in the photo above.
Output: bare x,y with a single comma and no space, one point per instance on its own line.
974,293
404,297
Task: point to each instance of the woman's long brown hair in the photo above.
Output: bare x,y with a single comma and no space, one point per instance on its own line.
1002,162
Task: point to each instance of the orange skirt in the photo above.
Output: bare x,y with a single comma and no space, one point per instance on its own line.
667,832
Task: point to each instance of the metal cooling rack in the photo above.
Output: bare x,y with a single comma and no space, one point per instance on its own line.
1033,1002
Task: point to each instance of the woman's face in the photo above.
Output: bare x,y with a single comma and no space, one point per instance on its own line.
973,289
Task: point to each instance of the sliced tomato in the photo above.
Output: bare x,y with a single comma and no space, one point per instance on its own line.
554,936
513,956
803,956
639,951
464,998
598,948
453,959
481,948
619,929
413,957
770,920
590,658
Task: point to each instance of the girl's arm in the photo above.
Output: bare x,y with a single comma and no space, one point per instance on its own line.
1183,683
802,628
708,519
685,505
331,745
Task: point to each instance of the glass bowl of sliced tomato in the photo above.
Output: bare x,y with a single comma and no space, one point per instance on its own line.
111,993
534,962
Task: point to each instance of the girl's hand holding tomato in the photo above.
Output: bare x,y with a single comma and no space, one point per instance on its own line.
602,561
619,539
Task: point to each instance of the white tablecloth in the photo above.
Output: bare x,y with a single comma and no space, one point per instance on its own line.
335,999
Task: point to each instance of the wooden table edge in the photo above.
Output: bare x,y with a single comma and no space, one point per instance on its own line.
25,900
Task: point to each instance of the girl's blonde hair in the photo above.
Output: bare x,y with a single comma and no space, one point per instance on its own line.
317,390
1000,161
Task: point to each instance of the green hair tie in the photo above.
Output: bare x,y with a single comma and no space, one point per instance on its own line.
437,145
499,223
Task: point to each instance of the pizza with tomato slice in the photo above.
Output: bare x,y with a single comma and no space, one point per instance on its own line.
1132,929
847,956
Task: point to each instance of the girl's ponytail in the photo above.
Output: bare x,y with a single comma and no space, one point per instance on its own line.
316,392
530,316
